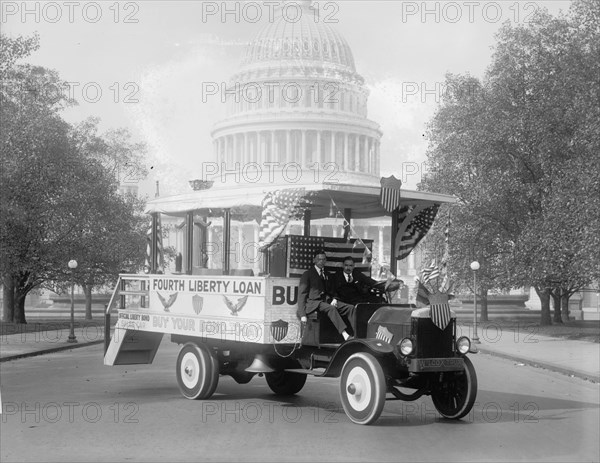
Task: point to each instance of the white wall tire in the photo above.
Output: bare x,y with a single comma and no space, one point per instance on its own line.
362,388
197,372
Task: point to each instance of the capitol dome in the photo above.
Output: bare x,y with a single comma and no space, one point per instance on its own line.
298,102
298,38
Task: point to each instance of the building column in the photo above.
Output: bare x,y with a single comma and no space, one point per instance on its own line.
366,153
288,146
226,153
346,160
260,147
377,154
272,154
246,149
318,149
319,229
332,147
357,154
235,155
303,149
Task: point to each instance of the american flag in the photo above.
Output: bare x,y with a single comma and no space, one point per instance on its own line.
154,261
429,273
301,250
278,208
417,228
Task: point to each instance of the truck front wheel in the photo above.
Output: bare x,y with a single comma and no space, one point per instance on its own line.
455,393
362,388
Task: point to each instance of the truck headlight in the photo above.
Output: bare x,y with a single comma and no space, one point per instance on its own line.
406,346
463,344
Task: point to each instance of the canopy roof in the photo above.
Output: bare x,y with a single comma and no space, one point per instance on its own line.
245,202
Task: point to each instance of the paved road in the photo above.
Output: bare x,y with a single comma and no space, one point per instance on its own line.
67,406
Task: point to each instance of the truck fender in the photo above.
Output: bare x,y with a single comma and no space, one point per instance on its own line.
378,348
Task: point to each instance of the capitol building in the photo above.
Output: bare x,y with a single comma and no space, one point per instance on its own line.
296,113
297,107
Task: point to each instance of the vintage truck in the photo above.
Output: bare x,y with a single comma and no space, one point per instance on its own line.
237,321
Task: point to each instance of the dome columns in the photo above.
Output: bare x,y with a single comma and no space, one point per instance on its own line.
306,148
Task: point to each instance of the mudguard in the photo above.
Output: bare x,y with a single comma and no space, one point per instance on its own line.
381,350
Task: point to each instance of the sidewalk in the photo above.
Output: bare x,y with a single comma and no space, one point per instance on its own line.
569,357
573,358
22,344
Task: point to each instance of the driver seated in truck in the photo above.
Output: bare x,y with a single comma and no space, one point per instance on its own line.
352,286
313,295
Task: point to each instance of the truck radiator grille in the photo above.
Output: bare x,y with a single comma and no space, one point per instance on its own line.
431,341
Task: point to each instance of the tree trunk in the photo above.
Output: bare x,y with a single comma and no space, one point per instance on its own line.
544,295
484,305
20,296
87,289
22,288
8,299
556,294
565,296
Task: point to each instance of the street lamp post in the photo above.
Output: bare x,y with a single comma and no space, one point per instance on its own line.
475,267
72,265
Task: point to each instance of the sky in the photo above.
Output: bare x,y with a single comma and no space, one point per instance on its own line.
142,65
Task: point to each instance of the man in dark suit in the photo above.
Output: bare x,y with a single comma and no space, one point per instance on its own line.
352,286
313,296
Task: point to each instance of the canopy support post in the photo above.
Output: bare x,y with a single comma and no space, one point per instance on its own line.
394,231
189,257
306,222
154,243
226,239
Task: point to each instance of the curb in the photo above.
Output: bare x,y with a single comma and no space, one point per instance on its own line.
545,365
49,351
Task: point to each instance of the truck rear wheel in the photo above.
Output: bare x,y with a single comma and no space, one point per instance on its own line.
197,371
362,388
455,395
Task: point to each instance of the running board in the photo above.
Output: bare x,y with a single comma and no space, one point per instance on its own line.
132,347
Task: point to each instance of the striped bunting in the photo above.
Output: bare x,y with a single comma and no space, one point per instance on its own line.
440,315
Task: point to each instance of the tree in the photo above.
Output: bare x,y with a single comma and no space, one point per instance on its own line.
57,197
112,239
509,147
